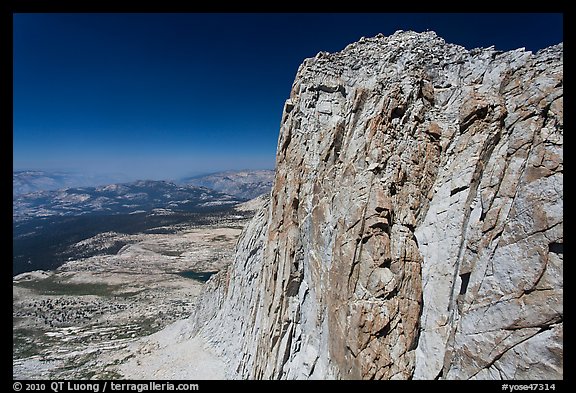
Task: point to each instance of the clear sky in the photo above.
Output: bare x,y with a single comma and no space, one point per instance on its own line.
162,96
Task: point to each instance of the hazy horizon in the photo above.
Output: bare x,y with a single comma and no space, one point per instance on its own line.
117,177
143,176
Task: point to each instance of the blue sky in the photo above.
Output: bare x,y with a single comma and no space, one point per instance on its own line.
162,96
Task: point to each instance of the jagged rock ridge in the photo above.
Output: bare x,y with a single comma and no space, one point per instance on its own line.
415,225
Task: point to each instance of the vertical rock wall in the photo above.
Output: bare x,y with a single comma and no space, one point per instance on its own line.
415,226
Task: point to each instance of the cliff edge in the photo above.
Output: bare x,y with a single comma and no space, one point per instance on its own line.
415,225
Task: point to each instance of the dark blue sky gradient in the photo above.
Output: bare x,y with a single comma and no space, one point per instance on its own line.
161,96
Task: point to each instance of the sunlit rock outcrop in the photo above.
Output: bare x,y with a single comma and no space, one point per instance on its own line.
415,225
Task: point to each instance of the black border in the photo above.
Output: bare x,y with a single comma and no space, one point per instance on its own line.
8,8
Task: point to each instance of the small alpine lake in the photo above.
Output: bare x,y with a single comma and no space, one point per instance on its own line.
199,276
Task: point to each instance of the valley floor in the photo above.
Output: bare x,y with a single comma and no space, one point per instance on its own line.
118,316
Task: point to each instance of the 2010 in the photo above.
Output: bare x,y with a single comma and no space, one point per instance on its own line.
35,386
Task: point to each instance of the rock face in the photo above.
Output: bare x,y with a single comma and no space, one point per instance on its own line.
415,225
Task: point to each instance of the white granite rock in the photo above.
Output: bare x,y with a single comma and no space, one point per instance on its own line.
415,225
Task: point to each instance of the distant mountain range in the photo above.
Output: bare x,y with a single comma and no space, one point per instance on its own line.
126,198
50,214
246,184
24,182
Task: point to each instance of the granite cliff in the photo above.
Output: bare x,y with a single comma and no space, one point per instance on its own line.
415,225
